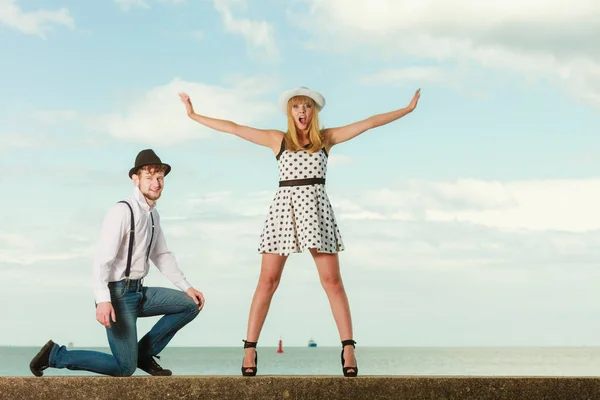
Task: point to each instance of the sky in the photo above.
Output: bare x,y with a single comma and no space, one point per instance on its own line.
472,221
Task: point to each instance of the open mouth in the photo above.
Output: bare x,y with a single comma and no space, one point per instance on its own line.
302,120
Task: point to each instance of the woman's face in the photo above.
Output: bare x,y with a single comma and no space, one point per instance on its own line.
302,114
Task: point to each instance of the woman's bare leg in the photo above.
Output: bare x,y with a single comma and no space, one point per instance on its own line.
270,275
329,272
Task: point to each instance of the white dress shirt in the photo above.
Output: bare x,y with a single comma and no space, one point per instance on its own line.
111,256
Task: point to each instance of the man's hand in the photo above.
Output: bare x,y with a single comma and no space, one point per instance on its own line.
104,313
197,296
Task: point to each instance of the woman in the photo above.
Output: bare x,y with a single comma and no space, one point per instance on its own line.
300,216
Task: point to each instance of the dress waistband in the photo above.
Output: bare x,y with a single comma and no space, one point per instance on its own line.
302,182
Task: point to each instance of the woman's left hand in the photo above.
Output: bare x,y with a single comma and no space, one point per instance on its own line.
413,103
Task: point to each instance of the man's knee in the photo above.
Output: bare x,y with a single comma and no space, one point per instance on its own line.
127,358
193,308
127,370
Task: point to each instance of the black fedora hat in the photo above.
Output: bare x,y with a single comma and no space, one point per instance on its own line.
147,157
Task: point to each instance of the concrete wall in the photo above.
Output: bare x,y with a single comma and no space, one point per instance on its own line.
299,387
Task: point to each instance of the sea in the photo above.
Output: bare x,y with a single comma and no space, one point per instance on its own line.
423,361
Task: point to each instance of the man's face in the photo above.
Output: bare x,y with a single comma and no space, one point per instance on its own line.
150,181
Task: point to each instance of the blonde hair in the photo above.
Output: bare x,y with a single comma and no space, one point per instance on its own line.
314,130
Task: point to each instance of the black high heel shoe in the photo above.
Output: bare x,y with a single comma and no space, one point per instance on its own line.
250,371
346,370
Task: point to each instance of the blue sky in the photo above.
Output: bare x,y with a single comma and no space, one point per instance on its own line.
469,222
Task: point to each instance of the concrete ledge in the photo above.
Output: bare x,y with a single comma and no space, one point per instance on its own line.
300,387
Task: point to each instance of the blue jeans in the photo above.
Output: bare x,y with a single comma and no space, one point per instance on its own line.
129,304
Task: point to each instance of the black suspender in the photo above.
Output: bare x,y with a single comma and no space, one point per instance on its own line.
151,237
131,237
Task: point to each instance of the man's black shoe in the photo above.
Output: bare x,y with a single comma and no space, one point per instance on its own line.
150,365
41,361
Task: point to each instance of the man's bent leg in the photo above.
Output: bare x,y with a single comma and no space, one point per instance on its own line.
122,335
122,338
178,310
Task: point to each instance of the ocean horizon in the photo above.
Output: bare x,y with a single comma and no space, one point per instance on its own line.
372,360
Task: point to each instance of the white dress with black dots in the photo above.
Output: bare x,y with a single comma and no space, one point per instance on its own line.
301,217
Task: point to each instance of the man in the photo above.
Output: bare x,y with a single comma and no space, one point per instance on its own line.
121,263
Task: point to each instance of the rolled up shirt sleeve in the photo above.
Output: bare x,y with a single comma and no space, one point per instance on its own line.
115,226
167,264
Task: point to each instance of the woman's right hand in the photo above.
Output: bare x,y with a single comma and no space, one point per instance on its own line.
188,103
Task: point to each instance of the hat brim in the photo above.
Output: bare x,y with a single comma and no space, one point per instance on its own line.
288,94
133,170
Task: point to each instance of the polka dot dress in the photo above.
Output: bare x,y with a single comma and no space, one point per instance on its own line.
300,217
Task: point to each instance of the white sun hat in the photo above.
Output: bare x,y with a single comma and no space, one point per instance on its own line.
301,91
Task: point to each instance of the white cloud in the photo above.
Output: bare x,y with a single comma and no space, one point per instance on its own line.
508,207
34,22
529,22
585,158
10,257
158,117
16,140
260,35
19,249
350,210
15,240
558,205
460,224
46,128
339,159
409,74
549,40
456,78
249,205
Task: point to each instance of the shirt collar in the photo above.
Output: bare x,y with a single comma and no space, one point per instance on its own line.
142,200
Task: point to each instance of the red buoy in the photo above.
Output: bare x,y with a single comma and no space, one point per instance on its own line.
280,349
